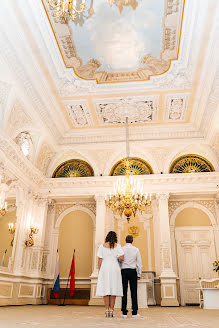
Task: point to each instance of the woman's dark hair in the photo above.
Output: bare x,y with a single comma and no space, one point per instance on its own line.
111,238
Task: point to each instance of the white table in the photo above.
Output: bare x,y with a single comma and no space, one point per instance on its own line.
211,298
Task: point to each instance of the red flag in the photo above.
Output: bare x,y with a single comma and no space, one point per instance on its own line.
72,275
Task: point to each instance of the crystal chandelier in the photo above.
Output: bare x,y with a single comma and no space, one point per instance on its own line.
65,9
127,197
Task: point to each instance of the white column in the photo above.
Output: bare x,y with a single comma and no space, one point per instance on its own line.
156,229
168,276
18,256
99,235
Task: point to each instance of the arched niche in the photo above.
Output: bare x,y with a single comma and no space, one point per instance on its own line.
191,163
75,232
193,205
73,168
192,217
137,167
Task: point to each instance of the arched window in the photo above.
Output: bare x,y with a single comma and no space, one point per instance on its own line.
73,168
191,163
137,167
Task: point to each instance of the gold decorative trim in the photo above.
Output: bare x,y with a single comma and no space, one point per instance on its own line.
137,167
129,76
73,168
191,163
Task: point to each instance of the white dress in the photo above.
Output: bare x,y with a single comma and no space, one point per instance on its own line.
109,278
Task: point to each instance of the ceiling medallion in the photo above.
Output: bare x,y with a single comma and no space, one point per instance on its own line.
121,3
73,168
65,9
127,197
191,163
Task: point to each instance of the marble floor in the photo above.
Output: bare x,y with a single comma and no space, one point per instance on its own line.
46,316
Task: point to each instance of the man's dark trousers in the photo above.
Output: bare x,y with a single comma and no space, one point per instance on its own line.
129,275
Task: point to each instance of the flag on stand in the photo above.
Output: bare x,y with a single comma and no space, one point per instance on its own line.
72,276
56,283
3,258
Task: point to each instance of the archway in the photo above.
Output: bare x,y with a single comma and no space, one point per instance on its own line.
75,232
193,248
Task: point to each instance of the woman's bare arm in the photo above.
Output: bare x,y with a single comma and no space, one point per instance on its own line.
121,258
99,262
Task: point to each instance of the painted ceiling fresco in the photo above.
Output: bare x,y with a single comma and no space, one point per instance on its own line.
112,45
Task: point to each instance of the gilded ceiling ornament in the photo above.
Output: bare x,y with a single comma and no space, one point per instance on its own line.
191,163
137,167
134,231
73,168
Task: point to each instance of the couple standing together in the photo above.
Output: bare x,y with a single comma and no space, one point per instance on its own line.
113,280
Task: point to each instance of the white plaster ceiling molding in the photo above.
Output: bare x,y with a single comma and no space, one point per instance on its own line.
79,113
44,157
180,74
112,111
176,107
18,118
16,162
142,50
4,91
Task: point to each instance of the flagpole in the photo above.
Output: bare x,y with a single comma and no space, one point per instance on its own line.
67,285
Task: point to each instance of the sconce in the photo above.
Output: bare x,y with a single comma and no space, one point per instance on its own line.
3,207
30,241
11,229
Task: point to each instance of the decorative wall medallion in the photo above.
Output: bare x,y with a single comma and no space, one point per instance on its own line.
191,163
137,167
134,231
112,111
73,168
176,107
134,55
79,114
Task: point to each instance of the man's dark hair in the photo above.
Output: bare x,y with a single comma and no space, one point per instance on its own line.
129,239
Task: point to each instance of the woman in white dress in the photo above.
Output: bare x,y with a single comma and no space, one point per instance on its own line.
109,284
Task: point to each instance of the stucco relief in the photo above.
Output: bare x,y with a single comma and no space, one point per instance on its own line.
18,118
215,145
140,110
60,208
79,114
208,204
176,107
44,157
4,92
173,205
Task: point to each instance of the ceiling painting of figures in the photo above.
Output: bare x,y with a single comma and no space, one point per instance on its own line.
120,43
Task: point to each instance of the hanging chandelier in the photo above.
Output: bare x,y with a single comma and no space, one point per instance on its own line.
127,197
121,3
65,9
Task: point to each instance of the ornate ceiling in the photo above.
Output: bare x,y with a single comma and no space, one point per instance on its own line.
174,97
119,46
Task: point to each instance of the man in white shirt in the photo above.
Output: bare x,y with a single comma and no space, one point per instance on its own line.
131,272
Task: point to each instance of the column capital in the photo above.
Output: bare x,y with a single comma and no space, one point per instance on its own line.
163,196
99,198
